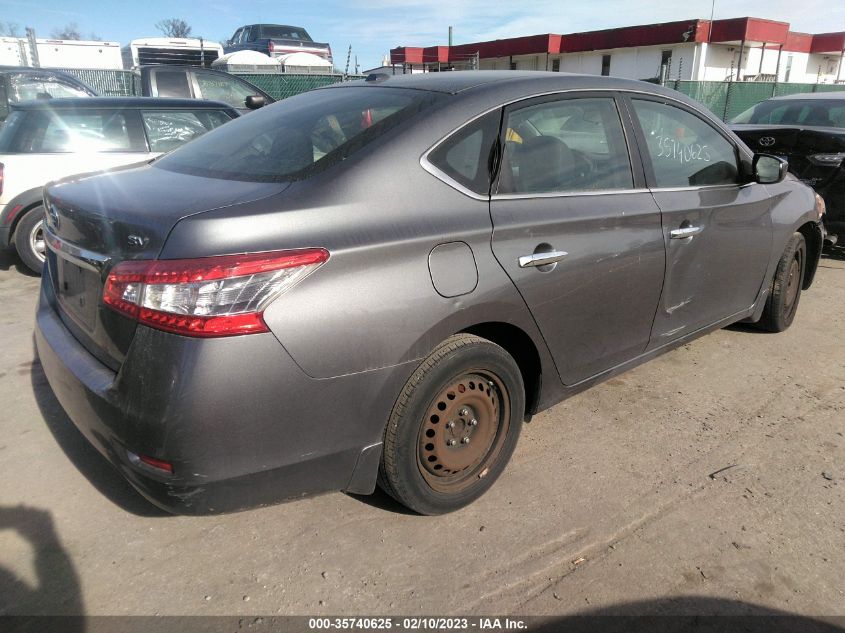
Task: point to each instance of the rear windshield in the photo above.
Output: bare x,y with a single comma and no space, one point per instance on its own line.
46,132
31,86
285,33
809,112
300,136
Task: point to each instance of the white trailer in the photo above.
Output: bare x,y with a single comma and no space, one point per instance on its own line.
14,51
79,54
183,51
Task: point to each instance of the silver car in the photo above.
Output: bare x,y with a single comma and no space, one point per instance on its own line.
380,281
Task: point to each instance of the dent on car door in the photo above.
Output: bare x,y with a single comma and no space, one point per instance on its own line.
577,231
717,230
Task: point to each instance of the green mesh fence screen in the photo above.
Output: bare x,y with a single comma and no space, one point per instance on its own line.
727,99
123,83
109,83
283,85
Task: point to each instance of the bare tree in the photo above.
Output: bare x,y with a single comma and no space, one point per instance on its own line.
68,32
10,29
174,27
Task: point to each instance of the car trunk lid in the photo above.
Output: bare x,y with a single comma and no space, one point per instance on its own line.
93,223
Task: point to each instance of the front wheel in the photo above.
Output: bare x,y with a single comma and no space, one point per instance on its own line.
782,302
454,426
29,239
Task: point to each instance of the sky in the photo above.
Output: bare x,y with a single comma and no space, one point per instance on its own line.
373,27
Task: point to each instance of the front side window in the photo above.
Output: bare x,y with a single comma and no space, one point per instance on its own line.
684,150
167,130
223,88
45,131
299,136
569,145
465,156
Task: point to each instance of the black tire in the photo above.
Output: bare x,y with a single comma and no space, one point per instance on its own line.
477,387
26,234
785,293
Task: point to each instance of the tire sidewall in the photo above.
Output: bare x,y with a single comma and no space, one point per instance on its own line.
481,357
25,225
796,245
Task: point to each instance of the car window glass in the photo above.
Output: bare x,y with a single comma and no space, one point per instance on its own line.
465,155
172,84
167,130
299,136
684,150
284,33
30,87
565,146
223,88
94,131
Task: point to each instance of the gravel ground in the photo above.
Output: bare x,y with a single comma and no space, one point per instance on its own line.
709,480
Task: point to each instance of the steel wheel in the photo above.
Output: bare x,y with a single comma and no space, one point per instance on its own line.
453,427
463,431
793,282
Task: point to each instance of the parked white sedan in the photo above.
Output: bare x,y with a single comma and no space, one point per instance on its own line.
51,139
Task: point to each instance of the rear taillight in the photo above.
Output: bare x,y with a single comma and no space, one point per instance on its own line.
209,296
272,48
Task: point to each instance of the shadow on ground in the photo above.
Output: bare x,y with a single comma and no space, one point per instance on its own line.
9,260
57,591
836,252
681,614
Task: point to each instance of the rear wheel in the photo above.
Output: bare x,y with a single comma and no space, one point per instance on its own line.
454,426
782,302
29,239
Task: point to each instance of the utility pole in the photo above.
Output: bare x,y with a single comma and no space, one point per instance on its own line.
450,37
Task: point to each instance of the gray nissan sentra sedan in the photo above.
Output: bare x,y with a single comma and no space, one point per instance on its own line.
380,281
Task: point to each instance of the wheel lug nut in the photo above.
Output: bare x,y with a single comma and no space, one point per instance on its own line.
473,422
451,442
464,412
450,425
465,440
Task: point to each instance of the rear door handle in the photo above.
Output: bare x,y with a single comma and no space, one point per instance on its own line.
541,259
685,232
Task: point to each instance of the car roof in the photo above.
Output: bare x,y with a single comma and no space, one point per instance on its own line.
835,94
454,82
86,103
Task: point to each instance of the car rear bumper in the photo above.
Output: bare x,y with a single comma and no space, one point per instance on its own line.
242,425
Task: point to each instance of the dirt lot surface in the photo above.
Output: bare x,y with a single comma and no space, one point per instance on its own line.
713,475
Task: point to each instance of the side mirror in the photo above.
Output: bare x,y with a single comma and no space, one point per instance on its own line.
768,169
253,102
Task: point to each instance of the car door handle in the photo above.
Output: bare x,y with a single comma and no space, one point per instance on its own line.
685,232
541,259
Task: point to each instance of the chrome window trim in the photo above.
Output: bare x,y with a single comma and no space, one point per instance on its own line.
448,180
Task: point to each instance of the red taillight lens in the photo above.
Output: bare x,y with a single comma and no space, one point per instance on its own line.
209,296
272,47
160,464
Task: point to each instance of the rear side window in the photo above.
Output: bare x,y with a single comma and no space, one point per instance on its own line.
28,87
45,131
684,150
167,130
172,84
300,136
224,88
465,156
568,145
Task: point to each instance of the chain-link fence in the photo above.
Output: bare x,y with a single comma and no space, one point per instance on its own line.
283,85
125,83
727,99
109,83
